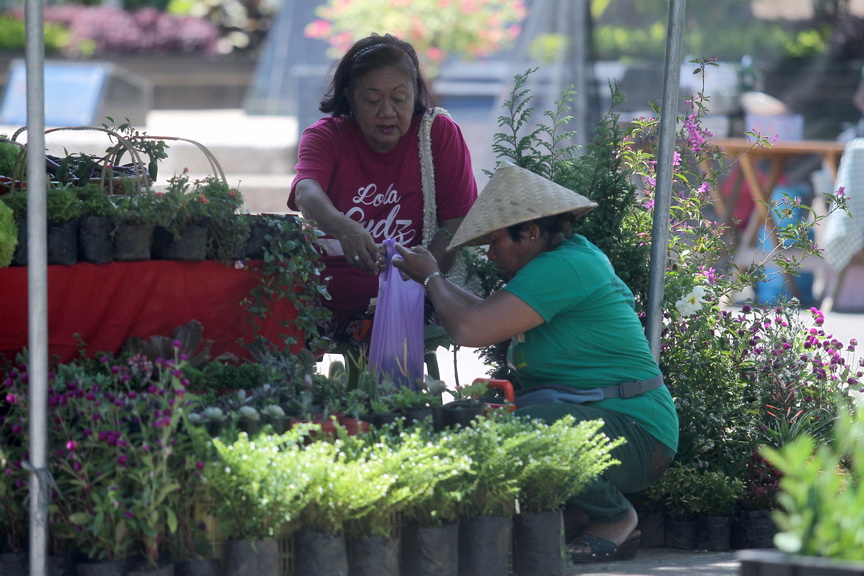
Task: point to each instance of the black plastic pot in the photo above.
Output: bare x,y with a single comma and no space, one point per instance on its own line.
166,570
198,567
132,242
60,566
373,556
653,528
538,544
430,550
681,533
14,564
252,558
753,529
115,568
63,243
713,533
191,246
95,244
461,412
320,554
484,545
19,257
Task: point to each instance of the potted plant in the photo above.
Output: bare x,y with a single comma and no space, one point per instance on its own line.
63,209
8,235
123,461
679,484
259,490
95,239
136,214
820,496
558,461
486,511
430,529
13,477
229,228
466,405
181,222
718,495
119,462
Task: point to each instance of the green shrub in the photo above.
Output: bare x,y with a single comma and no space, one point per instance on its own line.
821,492
8,235
13,36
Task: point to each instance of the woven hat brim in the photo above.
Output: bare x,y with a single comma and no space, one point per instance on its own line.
514,195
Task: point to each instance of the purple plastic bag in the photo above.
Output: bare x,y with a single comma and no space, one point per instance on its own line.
397,345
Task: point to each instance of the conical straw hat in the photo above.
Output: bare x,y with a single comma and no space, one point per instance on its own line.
514,195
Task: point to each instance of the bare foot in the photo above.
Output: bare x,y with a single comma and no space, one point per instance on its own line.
615,532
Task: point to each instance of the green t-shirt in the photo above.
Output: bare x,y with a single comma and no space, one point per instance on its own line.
591,335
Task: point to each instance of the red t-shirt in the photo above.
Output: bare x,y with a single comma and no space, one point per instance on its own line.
383,191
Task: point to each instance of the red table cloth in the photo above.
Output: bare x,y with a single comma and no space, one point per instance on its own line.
108,303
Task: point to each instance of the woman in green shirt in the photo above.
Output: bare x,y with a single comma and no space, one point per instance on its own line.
576,342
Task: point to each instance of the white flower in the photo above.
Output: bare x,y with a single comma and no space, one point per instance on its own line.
693,302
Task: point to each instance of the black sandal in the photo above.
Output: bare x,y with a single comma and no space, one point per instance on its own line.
603,550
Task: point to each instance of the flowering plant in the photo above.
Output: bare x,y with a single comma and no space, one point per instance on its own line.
181,205
118,460
435,28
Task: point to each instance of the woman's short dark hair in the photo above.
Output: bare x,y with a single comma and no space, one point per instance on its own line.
549,225
372,53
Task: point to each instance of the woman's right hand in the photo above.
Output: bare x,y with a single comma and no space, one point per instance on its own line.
357,244
359,248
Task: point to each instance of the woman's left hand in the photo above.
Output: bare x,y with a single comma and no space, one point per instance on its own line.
417,263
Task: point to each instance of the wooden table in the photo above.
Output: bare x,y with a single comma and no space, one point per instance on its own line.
747,155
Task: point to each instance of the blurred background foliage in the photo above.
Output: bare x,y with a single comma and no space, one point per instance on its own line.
620,30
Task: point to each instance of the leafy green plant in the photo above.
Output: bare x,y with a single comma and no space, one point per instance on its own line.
821,492
260,488
12,158
8,235
62,205
228,229
407,468
291,269
688,492
181,205
558,460
94,201
496,468
137,207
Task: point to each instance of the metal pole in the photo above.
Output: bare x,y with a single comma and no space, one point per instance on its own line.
37,287
665,156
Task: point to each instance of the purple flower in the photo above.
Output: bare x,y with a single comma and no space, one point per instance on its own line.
71,446
17,429
177,344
